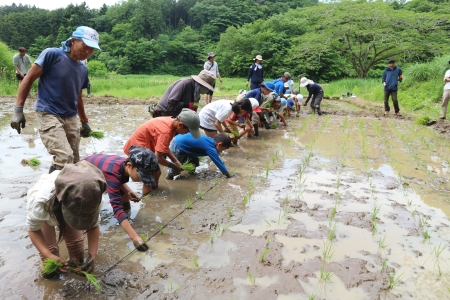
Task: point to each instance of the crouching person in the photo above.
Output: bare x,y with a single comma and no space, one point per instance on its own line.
186,148
140,166
69,199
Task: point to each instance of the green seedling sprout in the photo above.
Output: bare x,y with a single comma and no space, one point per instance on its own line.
200,194
274,125
235,133
426,235
170,287
216,182
375,228
423,221
34,162
393,280
269,240
327,252
50,265
245,200
267,222
98,135
263,254
325,276
188,166
312,296
332,232
382,243
212,237
375,211
93,280
195,261
250,277
144,237
230,211
189,201
267,170
197,104
161,229
437,250
383,265
332,213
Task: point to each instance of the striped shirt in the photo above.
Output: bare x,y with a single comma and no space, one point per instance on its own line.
113,168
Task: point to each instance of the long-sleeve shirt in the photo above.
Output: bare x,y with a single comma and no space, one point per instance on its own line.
256,93
313,89
178,96
392,77
113,168
213,68
255,74
204,146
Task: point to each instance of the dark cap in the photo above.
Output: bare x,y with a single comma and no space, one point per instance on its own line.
146,164
79,188
391,60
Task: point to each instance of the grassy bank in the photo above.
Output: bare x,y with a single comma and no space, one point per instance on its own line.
420,92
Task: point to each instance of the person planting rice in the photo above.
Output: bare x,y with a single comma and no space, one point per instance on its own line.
295,100
259,94
186,148
233,126
274,106
62,76
69,199
214,114
315,94
184,93
140,166
156,135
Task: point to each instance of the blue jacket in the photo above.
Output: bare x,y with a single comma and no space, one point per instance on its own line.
204,146
279,86
392,77
256,93
255,74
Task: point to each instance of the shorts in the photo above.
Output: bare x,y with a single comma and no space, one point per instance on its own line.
211,92
290,104
208,130
19,77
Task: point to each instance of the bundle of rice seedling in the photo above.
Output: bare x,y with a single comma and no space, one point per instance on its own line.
188,166
423,120
97,134
235,133
34,162
197,104
50,265
94,281
274,125
267,105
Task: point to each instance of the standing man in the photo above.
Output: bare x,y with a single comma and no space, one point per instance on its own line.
392,76
62,75
212,67
183,93
446,95
21,62
255,73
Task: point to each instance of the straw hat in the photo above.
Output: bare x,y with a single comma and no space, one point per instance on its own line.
258,57
305,81
205,78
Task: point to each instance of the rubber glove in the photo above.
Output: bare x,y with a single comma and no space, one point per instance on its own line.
18,120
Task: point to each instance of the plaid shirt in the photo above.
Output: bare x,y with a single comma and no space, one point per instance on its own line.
113,168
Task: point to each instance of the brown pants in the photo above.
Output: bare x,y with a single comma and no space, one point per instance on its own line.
73,238
61,137
445,98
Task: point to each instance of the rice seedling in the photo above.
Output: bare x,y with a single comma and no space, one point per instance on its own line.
383,265
393,280
50,265
212,237
216,182
325,276
93,280
245,200
332,213
263,254
249,154
423,120
375,211
327,252
195,261
200,194
274,125
198,104
235,133
188,203
98,135
251,277
34,162
286,200
267,170
423,221
382,243
426,235
230,211
269,240
437,250
144,237
312,296
161,229
188,166
171,289
374,228
332,232
409,203
267,222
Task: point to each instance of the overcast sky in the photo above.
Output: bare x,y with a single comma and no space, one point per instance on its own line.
54,4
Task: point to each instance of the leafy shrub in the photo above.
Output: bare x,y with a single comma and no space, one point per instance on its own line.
97,69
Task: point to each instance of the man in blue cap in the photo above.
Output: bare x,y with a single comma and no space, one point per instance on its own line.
62,75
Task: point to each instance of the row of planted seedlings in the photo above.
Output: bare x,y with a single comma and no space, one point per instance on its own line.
415,139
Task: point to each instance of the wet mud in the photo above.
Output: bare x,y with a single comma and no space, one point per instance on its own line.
349,205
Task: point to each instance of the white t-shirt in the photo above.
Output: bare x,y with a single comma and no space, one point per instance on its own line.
447,85
213,69
218,110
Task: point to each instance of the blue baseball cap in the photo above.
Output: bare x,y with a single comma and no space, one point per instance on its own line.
88,35
268,85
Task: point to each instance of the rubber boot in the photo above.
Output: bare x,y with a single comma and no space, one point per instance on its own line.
52,168
318,111
267,125
313,111
256,128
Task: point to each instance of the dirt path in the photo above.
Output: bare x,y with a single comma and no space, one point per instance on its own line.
339,206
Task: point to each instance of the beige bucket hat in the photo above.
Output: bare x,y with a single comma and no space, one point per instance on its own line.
305,81
258,57
205,78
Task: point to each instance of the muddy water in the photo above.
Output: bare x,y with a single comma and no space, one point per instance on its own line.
291,179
